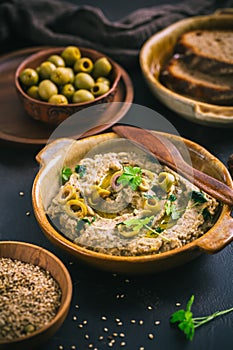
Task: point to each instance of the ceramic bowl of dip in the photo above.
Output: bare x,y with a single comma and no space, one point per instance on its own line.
51,159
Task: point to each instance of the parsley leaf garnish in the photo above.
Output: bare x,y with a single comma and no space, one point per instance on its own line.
171,209
138,224
81,170
187,323
65,174
131,176
198,197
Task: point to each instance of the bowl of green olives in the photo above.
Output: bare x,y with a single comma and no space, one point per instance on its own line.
55,83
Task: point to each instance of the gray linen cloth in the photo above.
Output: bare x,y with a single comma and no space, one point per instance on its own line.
57,22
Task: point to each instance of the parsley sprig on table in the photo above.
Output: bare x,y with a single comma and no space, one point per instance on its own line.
131,176
187,323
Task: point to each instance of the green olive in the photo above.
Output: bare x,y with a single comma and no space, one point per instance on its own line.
58,99
83,81
71,72
99,89
68,90
82,95
103,80
61,76
33,92
57,60
45,70
46,89
102,67
71,54
84,64
29,77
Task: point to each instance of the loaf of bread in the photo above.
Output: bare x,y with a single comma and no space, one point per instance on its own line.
180,78
209,51
202,67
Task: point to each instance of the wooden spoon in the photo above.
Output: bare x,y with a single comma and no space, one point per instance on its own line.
167,153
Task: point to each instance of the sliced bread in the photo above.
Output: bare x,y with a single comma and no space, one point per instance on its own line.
209,51
181,78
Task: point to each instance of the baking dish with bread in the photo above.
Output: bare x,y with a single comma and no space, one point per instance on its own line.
189,67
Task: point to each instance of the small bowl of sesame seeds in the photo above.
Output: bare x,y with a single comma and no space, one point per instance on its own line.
35,295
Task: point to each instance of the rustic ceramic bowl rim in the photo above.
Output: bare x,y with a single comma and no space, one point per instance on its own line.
72,247
63,307
47,51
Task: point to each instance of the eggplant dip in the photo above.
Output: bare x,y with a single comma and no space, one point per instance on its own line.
126,205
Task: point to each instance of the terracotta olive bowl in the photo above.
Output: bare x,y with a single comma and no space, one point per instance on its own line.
159,48
55,114
41,257
51,159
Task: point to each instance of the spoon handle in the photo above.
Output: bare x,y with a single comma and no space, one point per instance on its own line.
166,152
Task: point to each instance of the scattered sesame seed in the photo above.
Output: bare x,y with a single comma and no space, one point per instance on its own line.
28,213
80,326
118,296
119,323
105,329
76,306
115,334
60,347
151,336
121,335
178,304
85,322
90,345
73,347
127,280
114,274
71,263
123,343
149,307
21,193
104,318
141,322
122,296
86,336
74,318
133,321
101,337
141,348
157,323
117,320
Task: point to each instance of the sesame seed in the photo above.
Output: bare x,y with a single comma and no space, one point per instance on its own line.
119,323
76,306
157,323
71,263
101,337
90,346
122,296
178,304
28,213
149,307
74,318
141,348
141,322
121,335
123,343
151,336
117,320
118,296
127,280
86,336
115,334
104,318
80,326
73,347
133,321
105,329
21,193
85,322
114,274
60,347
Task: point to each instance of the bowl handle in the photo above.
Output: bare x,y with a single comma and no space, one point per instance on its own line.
220,236
214,113
225,11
